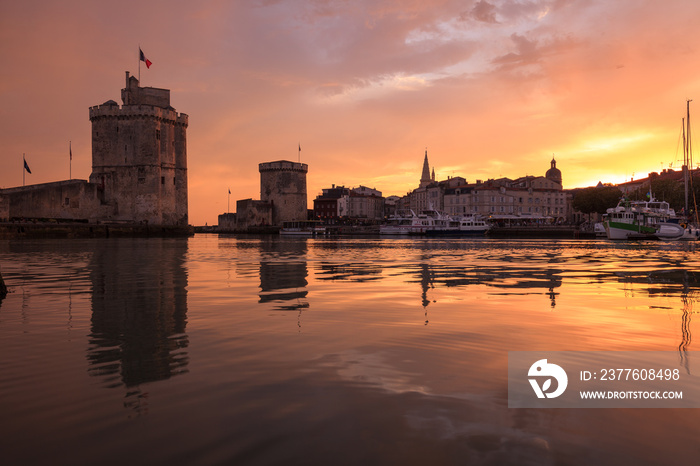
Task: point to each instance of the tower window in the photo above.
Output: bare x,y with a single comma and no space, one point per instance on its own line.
162,180
158,134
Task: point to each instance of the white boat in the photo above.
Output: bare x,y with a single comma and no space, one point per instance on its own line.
640,220
473,225
410,223
438,223
402,223
678,232
303,228
599,229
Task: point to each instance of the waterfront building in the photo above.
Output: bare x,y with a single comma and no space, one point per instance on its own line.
365,203
361,203
327,205
536,197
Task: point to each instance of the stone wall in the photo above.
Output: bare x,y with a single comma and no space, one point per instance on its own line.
66,200
4,208
227,223
252,213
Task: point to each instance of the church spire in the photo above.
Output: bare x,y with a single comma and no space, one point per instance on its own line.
425,176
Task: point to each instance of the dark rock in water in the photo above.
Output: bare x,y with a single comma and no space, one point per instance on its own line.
3,288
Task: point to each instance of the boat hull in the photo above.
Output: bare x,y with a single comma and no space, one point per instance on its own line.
456,232
620,231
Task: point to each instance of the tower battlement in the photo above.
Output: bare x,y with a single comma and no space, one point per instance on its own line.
283,165
111,109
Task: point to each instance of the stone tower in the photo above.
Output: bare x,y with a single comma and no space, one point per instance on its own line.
283,185
139,157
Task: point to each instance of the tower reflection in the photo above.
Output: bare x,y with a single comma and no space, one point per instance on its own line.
283,274
139,314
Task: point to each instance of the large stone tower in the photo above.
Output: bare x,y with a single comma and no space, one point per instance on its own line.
139,156
283,185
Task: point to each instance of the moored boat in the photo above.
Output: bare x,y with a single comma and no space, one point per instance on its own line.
640,220
303,228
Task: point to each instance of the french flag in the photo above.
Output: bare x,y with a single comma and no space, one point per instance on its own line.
144,59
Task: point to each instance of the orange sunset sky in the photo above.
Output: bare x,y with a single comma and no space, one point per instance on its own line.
492,88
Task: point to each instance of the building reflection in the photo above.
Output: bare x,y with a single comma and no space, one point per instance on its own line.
139,314
503,280
283,274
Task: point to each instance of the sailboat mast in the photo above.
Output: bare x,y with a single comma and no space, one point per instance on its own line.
685,167
690,163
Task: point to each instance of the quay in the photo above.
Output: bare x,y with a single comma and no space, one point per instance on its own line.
21,230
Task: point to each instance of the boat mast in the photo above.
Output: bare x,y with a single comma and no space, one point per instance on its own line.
690,163
685,168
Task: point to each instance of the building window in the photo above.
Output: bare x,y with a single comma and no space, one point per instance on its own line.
162,180
158,135
67,201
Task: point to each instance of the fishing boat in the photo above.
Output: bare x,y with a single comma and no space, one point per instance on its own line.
641,220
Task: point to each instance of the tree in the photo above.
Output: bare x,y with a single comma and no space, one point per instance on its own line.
596,200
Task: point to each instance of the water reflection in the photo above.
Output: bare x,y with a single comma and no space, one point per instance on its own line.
369,366
283,274
139,314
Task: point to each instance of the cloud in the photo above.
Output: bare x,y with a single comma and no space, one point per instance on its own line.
365,86
484,11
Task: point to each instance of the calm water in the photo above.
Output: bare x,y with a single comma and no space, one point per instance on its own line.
224,350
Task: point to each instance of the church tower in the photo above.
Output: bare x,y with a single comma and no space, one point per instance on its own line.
425,178
139,157
554,174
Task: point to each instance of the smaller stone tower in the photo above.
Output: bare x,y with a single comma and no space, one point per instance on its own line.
283,185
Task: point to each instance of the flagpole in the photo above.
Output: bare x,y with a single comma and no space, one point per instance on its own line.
70,163
228,206
24,161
